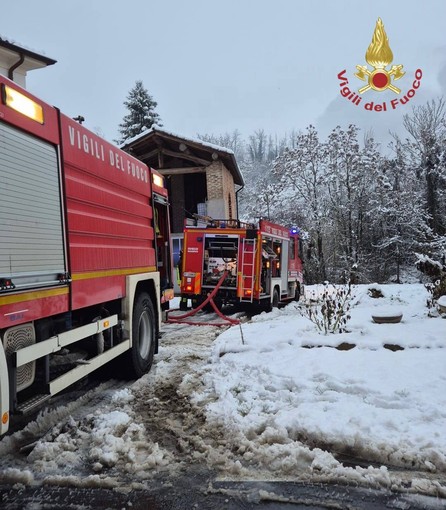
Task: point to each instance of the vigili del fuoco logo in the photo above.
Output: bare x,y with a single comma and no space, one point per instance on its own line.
379,78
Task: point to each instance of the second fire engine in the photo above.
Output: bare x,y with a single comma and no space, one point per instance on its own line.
262,263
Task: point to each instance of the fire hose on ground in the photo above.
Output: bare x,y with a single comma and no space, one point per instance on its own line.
209,300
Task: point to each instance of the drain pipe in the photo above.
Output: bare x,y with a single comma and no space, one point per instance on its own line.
236,198
15,66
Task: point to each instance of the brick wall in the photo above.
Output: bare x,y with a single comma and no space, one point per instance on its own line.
229,194
220,191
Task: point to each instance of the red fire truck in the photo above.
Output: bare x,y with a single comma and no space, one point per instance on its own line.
262,263
85,264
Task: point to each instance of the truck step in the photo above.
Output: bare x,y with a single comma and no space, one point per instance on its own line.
33,403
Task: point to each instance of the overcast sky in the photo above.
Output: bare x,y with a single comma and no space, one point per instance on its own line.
215,66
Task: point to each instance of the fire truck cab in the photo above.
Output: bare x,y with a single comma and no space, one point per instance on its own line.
262,263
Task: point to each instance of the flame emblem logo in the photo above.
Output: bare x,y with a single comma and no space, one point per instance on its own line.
379,56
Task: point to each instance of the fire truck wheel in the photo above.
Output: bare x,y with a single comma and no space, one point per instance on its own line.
144,337
275,298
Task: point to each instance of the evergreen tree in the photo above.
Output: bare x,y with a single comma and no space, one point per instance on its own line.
142,114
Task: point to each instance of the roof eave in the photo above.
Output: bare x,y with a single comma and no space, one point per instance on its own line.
28,53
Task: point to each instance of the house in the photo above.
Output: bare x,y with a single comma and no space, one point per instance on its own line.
16,61
202,178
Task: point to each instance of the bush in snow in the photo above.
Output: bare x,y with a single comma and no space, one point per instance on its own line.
375,292
436,270
330,310
436,290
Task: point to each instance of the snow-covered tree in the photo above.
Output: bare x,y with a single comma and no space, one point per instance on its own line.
358,208
399,220
351,178
301,174
427,127
141,113
257,164
232,141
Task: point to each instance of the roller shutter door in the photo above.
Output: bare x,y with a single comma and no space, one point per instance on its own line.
31,236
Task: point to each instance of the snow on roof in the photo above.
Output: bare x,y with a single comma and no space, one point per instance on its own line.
38,54
9,40
176,135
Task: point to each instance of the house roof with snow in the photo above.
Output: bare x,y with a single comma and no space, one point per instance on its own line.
16,60
165,150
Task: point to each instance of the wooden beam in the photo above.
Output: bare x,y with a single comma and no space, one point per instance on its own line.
160,159
148,155
185,170
189,157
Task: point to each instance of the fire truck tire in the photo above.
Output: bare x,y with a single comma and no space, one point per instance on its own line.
140,357
275,302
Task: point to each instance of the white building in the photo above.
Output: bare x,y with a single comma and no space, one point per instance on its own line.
16,61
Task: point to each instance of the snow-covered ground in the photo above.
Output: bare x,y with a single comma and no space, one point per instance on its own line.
271,399
293,396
